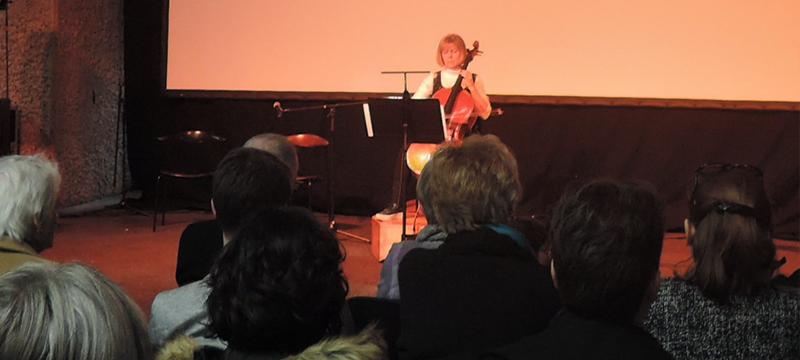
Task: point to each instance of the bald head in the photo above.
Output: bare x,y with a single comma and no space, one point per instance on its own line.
277,145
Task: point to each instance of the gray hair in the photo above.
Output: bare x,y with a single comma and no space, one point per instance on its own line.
28,193
68,311
277,145
470,184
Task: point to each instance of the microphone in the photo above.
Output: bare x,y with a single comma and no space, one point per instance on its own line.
278,108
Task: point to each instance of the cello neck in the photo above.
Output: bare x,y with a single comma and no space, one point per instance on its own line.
456,88
451,100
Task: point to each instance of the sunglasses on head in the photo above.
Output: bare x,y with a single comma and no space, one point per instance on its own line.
718,168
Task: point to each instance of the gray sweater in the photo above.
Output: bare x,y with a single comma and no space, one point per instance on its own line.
429,237
690,326
182,311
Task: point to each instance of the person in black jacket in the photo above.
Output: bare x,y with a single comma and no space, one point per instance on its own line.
246,181
606,246
201,241
483,287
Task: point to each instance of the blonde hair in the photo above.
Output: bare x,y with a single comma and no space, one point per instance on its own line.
451,39
470,184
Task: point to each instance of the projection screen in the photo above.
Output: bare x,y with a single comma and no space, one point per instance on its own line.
676,49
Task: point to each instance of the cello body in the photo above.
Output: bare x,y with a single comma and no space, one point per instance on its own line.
460,119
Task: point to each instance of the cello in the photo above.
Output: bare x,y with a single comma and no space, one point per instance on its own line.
458,104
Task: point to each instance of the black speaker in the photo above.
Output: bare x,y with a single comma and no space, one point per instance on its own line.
7,128
3,4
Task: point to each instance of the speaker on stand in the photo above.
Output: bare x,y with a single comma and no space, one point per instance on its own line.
122,138
9,143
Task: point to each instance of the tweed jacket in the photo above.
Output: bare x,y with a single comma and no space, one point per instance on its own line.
690,326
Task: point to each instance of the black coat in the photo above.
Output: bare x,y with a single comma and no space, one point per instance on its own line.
199,246
573,337
477,291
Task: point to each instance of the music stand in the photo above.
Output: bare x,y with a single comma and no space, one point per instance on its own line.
418,120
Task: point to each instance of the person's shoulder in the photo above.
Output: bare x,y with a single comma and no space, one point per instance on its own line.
404,247
782,298
789,292
197,290
418,259
203,226
527,348
419,251
673,286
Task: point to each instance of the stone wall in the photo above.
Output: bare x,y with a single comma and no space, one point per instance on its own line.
65,75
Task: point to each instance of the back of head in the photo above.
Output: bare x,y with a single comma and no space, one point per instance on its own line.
471,184
68,311
278,285
277,145
245,181
28,193
732,243
607,239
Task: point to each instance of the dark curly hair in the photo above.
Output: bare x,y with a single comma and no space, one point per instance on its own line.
278,286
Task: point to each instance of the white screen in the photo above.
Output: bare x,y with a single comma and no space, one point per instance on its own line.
681,49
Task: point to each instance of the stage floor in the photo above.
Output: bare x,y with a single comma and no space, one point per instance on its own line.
123,246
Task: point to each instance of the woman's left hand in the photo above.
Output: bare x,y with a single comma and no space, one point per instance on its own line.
467,83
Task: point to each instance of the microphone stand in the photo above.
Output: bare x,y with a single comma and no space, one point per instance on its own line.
332,119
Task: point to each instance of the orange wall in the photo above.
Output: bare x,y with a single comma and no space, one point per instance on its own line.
706,49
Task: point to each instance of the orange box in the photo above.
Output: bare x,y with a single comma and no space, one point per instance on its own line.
387,232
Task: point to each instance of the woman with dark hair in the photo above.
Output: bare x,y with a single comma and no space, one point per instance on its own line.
278,288
725,306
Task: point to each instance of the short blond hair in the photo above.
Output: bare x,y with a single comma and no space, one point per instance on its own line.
467,185
451,39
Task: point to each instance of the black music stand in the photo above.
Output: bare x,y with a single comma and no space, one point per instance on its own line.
418,120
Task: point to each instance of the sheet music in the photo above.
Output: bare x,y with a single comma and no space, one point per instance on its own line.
444,124
368,120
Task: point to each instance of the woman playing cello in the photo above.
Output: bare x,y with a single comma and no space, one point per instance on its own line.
451,55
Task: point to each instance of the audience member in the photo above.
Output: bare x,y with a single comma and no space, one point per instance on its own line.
429,237
68,311
246,180
201,242
535,233
482,287
278,288
724,306
28,193
607,239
